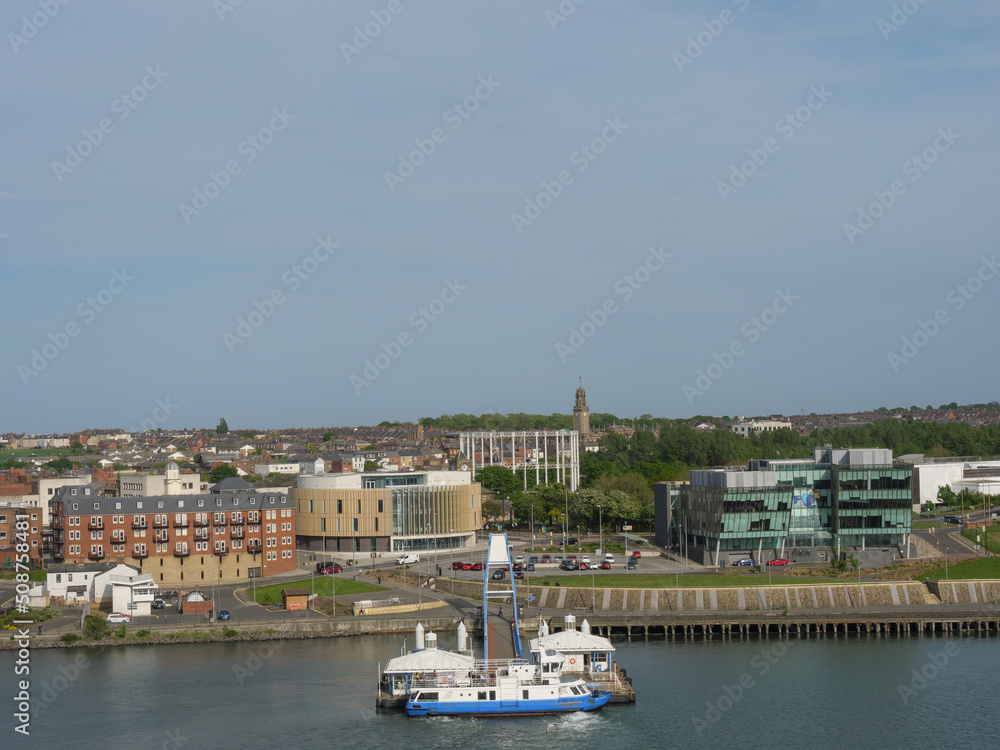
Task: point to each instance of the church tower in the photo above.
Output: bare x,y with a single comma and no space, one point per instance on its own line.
581,414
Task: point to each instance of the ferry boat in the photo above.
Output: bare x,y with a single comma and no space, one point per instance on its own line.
505,689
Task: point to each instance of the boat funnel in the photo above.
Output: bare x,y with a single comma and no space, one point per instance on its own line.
570,622
431,640
463,634
420,638
543,628
585,627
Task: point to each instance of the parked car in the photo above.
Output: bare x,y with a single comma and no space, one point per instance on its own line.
409,558
519,574
572,540
518,566
605,565
118,617
498,575
630,565
477,566
585,558
546,558
533,559
568,565
570,557
224,614
593,566
458,566
468,566
529,567
519,559
746,561
779,561
608,557
159,604
637,553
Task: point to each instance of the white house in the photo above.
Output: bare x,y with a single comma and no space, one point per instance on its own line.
133,595
89,582
285,468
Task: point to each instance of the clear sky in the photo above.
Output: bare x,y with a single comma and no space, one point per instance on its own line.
316,213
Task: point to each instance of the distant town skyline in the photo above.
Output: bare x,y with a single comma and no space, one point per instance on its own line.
296,213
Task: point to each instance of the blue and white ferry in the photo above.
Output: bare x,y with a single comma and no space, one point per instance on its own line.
505,689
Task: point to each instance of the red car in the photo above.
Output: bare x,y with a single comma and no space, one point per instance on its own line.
546,559
605,565
477,566
637,553
331,569
458,566
779,561
468,566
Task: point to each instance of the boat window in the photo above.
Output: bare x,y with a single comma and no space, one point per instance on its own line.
493,695
427,697
482,695
524,694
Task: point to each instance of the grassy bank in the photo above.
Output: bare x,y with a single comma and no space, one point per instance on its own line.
983,568
321,585
667,581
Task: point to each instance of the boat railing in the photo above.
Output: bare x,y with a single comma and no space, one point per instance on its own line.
471,680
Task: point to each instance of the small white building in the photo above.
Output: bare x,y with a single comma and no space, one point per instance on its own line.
585,652
171,482
85,583
133,595
286,468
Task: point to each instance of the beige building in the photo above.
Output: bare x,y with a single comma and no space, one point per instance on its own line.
387,511
171,482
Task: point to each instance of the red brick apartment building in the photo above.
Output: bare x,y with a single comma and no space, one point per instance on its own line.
181,539
20,524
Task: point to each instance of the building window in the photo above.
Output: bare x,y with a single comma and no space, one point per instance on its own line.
355,524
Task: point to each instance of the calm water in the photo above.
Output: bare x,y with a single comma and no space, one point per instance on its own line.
803,694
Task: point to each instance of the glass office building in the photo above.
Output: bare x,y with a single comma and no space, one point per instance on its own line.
853,498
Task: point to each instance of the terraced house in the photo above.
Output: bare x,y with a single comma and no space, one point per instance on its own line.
232,533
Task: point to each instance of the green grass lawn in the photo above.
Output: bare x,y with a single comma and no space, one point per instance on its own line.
980,568
33,575
323,587
928,525
990,536
668,581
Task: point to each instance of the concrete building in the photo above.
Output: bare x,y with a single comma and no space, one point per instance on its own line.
133,594
385,511
844,498
171,482
182,540
69,584
930,474
748,427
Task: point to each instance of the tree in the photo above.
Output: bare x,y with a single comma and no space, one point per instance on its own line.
77,448
947,495
500,479
222,471
371,466
310,446
491,510
328,436
222,428
59,464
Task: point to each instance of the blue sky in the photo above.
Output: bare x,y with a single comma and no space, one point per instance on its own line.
471,205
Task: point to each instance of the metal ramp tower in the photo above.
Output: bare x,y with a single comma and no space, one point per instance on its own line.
498,555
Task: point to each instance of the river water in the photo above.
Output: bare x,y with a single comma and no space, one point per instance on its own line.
803,693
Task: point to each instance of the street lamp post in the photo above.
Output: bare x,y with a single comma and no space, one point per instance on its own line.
600,530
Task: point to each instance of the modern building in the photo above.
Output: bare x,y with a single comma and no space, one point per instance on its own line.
980,475
387,511
844,498
183,539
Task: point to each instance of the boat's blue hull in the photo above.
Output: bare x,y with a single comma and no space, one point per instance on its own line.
508,709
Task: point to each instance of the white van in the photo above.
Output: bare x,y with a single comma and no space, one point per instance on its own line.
408,559
609,558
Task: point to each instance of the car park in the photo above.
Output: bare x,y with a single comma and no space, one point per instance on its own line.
746,561
224,614
779,561
119,618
